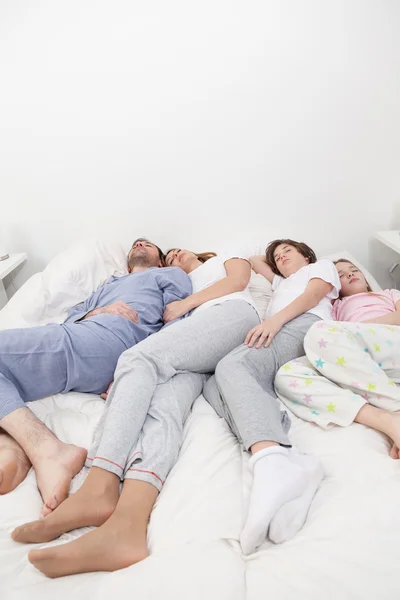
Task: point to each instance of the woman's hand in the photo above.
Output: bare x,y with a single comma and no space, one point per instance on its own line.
267,330
104,396
176,309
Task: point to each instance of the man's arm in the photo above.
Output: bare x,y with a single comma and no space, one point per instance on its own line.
88,309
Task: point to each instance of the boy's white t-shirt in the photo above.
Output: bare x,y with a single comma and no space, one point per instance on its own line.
285,290
212,271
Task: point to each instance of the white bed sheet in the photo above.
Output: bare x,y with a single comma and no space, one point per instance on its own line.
348,549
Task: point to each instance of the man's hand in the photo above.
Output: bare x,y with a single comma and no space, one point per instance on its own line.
118,308
104,396
176,309
267,330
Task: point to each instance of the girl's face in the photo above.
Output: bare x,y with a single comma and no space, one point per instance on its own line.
351,278
289,260
184,259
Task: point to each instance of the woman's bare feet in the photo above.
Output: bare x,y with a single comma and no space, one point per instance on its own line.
55,472
14,464
91,505
116,545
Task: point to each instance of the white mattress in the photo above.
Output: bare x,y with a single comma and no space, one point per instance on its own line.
348,549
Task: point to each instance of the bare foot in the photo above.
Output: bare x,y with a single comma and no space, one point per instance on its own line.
116,545
14,464
393,431
394,452
91,505
55,473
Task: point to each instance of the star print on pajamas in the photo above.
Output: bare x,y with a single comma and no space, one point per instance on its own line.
319,363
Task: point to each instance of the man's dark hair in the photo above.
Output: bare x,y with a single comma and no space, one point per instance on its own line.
301,247
160,252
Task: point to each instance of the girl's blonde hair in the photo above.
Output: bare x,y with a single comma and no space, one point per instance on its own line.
202,257
345,260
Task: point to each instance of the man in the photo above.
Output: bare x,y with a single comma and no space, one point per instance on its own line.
80,355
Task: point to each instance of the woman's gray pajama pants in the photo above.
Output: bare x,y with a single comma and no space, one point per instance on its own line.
155,385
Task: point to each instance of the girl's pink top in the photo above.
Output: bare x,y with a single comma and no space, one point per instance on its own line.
365,306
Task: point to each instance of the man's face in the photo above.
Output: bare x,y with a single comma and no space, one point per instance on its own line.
143,254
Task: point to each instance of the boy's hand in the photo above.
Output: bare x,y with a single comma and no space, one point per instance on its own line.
265,332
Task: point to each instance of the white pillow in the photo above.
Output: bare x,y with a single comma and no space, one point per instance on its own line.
67,280
344,254
261,292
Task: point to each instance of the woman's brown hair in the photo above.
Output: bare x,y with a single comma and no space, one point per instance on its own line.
202,257
301,247
346,260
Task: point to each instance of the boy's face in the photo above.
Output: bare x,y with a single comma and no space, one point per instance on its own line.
289,260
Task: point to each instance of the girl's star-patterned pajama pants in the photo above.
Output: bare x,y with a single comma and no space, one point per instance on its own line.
346,366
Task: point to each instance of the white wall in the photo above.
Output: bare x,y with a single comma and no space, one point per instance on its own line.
195,121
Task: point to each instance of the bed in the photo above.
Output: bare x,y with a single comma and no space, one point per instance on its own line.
348,549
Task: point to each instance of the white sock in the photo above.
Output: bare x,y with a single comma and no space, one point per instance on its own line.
276,481
291,517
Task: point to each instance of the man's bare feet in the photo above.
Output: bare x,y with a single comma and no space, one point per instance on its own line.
91,505
116,545
14,464
54,474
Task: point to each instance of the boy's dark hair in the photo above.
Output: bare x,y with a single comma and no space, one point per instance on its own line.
160,252
301,247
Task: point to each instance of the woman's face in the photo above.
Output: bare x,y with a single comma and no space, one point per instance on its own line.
184,259
351,279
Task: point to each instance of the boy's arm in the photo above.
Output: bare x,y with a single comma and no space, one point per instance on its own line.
314,292
260,266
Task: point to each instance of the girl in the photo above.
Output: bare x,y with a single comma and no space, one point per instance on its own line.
354,365
139,438
243,387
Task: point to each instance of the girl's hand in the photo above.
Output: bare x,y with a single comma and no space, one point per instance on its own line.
176,309
267,330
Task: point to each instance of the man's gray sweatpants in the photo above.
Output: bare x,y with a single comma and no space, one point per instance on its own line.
155,385
242,389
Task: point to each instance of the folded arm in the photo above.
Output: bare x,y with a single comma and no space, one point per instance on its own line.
266,331
390,319
238,272
260,266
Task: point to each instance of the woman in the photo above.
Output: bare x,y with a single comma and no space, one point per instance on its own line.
163,374
351,367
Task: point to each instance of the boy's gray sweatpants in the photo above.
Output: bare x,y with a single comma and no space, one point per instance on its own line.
155,385
242,390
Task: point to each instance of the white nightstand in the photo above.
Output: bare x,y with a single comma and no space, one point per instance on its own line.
390,239
7,266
